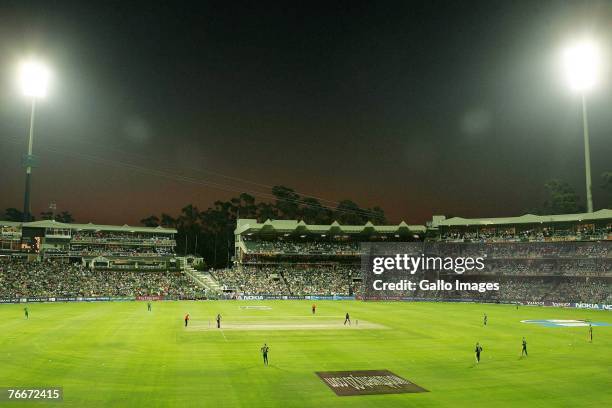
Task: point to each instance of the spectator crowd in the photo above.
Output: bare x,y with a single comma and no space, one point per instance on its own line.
120,250
289,279
302,247
535,272
19,278
489,234
526,271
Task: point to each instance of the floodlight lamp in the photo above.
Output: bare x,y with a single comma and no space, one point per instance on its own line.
34,78
581,62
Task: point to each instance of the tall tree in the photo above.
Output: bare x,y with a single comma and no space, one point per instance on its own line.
243,206
46,215
266,211
312,212
64,216
150,221
561,198
168,221
189,228
378,215
287,202
190,216
349,213
13,214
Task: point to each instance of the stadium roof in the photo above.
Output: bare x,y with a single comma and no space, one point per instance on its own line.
525,219
10,223
90,227
295,226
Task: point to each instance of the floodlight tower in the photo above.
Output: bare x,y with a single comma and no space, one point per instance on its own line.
34,81
582,63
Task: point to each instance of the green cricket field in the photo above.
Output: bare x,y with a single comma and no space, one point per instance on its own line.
118,354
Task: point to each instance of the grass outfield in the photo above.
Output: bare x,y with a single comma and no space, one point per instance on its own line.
118,354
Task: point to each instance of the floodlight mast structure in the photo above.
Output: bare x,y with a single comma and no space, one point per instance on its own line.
34,81
28,161
582,64
587,155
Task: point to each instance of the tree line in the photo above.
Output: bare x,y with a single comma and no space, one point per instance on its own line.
210,233
561,198
13,214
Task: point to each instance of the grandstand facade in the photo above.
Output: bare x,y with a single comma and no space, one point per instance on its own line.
96,246
276,240
292,258
536,259
595,226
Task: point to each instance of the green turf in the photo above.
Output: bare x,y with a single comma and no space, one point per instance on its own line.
118,354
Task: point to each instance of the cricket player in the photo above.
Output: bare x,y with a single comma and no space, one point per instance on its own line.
149,306
590,330
264,352
219,321
314,308
27,315
524,350
478,350
186,319
485,319
347,318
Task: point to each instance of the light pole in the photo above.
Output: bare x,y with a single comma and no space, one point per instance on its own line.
34,80
582,64
587,155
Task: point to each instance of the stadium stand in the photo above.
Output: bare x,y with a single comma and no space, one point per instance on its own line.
566,258
526,228
91,244
44,259
54,278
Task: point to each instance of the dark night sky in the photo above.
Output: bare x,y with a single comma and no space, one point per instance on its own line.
420,107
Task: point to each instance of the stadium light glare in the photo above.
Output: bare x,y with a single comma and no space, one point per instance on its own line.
582,62
34,78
